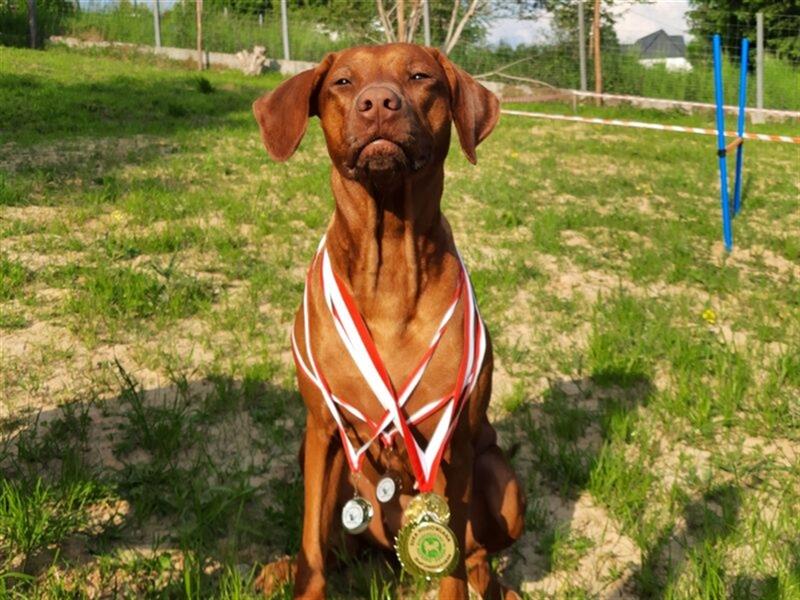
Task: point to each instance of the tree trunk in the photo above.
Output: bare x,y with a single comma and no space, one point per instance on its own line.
401,20
384,19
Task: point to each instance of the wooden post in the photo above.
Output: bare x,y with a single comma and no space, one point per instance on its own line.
598,68
582,45
32,25
199,19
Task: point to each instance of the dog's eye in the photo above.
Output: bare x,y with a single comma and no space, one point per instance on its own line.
418,76
342,81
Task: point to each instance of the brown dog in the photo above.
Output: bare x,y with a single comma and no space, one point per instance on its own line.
386,112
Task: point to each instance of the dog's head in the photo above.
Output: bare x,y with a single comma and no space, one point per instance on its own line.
385,110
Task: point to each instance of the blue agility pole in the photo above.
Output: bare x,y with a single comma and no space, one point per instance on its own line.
722,149
737,188
727,231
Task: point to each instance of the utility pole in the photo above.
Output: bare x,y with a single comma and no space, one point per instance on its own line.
157,22
582,45
285,30
199,19
598,68
32,28
426,22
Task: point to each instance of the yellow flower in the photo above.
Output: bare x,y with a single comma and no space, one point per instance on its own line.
710,316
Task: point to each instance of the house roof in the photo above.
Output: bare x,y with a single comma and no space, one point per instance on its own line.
660,44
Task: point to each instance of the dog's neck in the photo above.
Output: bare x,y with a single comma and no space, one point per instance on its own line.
389,246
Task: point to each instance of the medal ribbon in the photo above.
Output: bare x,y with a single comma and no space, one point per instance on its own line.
357,340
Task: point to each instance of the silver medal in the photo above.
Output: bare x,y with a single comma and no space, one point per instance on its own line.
386,489
356,515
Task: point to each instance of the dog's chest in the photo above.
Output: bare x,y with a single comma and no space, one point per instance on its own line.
400,349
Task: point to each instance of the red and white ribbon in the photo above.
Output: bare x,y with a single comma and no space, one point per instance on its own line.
359,344
763,137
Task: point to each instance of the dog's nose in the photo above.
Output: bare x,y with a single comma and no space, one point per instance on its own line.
377,99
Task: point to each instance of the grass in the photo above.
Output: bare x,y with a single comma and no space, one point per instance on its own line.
152,261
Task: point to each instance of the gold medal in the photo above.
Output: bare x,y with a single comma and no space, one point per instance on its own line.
356,515
427,504
427,549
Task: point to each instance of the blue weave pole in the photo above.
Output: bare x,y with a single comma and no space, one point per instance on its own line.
737,187
727,231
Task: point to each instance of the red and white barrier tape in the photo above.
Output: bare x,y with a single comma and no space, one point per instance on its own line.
764,137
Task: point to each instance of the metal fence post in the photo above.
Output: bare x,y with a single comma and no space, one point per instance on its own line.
157,22
32,25
582,45
285,30
759,60
426,21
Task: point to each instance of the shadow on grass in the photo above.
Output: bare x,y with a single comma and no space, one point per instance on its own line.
709,519
567,446
158,491
40,108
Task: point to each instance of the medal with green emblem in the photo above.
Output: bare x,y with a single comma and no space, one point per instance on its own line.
425,545
427,549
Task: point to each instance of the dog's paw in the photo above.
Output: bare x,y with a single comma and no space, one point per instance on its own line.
275,575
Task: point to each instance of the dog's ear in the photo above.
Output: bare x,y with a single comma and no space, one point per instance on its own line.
475,109
283,113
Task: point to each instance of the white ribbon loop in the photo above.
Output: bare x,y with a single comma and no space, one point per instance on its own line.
361,348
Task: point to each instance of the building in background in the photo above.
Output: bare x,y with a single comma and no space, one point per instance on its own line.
660,48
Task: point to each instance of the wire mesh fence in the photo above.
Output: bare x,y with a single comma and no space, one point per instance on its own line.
553,61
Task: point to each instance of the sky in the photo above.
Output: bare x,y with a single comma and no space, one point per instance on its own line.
634,20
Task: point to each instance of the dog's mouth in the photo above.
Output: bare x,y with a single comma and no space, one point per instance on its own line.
380,155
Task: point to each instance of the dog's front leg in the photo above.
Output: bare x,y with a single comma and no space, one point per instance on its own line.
323,467
458,491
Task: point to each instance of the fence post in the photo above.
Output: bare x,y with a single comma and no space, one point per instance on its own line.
582,45
32,22
285,30
760,60
157,22
198,11
426,22
598,67
260,19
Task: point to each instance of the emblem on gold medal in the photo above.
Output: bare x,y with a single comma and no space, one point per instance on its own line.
425,545
427,549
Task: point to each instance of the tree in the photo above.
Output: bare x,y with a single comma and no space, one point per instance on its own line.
735,19
451,20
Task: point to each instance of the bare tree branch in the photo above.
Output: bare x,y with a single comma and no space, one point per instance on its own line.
413,21
503,68
527,80
387,27
451,42
451,25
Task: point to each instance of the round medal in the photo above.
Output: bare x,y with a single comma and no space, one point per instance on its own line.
386,489
427,504
427,549
356,515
